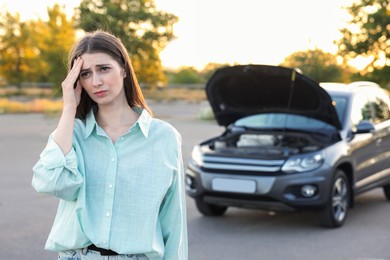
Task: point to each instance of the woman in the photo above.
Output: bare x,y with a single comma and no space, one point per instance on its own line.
117,171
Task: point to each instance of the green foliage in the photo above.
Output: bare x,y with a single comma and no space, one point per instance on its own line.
18,52
144,30
368,35
381,76
316,64
34,50
210,68
190,75
59,35
186,75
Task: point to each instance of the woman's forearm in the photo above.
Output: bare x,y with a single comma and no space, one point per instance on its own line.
64,133
71,89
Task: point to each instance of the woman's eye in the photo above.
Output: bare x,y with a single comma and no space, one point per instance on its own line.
84,74
103,69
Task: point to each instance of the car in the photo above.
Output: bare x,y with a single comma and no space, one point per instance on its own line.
290,143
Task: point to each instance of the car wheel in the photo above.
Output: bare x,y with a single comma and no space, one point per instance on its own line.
336,210
386,191
209,209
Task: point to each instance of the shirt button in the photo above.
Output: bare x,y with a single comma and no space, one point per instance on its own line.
110,186
113,159
108,214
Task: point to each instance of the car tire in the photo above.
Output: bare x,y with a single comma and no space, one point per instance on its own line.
336,210
386,191
209,210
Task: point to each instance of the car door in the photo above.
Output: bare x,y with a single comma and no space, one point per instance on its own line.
381,107
365,148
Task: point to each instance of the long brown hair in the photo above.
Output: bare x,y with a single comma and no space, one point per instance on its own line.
101,41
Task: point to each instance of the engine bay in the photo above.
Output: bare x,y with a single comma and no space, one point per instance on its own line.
269,145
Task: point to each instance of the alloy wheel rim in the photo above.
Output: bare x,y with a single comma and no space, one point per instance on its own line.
340,199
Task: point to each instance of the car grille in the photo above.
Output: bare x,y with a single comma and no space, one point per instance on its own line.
231,165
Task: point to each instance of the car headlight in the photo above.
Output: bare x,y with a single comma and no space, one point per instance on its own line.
196,156
303,164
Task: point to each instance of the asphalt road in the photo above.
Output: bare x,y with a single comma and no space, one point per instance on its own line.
26,216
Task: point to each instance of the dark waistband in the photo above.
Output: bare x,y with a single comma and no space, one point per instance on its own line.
102,251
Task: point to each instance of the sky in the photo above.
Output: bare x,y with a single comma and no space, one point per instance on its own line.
231,31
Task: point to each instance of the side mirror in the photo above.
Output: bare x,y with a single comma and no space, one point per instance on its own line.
364,127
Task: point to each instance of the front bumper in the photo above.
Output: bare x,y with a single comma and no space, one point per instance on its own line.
277,192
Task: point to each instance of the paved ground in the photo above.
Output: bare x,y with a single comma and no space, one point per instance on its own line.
26,216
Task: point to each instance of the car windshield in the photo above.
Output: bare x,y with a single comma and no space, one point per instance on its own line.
292,121
280,121
341,103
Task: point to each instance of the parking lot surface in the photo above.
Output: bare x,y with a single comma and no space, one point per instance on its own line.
26,216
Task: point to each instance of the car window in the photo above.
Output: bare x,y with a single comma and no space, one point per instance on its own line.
280,121
381,110
340,105
370,106
361,109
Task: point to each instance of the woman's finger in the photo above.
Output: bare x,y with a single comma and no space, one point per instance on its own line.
73,75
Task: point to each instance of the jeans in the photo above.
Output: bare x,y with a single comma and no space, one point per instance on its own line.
87,254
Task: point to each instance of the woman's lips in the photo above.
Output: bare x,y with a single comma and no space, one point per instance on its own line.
101,93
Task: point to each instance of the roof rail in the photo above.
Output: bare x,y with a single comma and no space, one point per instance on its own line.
364,84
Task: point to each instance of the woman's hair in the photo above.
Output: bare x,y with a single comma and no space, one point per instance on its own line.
104,42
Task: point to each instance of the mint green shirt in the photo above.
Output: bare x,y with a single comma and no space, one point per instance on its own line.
126,196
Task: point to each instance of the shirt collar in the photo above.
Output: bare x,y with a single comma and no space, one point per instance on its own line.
144,121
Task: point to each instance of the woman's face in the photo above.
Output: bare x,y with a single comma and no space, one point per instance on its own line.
102,78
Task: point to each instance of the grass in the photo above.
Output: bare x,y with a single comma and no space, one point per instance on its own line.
36,100
175,94
26,92
38,105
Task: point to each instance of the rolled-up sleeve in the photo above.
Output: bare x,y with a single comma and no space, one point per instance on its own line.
56,173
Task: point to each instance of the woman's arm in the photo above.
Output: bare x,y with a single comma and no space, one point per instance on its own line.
173,216
56,172
71,96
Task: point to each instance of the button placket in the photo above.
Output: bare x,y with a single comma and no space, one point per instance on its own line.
109,197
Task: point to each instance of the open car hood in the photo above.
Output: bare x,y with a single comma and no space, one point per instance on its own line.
239,91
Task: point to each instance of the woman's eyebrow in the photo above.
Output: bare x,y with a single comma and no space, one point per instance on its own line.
97,66
102,65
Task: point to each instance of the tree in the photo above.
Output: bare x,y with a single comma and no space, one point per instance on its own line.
210,68
144,30
18,54
317,64
186,75
35,50
368,35
58,35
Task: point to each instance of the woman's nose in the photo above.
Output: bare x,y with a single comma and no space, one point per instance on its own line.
96,80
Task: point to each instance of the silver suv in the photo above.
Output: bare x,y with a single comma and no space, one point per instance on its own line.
290,143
